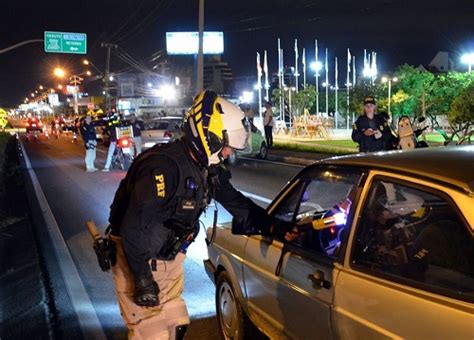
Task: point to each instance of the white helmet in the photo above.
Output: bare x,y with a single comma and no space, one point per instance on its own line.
212,123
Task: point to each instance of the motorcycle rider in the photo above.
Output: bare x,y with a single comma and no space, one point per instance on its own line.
371,131
155,212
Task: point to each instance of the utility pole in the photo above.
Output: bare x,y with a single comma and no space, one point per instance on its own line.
200,61
107,73
76,81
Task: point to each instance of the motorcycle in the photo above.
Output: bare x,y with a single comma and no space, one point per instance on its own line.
409,133
123,155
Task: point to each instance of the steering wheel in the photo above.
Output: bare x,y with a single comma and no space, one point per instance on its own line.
315,206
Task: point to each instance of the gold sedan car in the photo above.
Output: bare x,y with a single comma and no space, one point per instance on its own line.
389,252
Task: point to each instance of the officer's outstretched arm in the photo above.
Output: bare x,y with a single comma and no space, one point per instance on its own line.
249,218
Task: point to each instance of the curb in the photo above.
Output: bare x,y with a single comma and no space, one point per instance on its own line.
291,160
89,323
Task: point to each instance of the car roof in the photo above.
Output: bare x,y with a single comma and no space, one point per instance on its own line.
166,118
451,165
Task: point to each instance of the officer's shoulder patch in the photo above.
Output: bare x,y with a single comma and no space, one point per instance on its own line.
160,185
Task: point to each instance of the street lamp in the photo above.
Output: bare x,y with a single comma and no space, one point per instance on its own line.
40,87
32,95
247,97
60,87
89,73
389,81
468,59
85,62
59,72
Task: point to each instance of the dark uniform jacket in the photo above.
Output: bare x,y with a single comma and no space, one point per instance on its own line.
88,132
370,143
167,191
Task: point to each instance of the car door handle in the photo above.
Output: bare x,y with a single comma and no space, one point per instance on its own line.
318,280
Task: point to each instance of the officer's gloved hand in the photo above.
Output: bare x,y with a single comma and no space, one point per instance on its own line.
146,292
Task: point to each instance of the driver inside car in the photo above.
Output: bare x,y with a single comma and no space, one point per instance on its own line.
332,221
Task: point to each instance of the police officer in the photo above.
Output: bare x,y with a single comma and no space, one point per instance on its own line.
155,212
371,131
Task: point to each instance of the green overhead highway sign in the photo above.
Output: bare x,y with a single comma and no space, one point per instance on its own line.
64,42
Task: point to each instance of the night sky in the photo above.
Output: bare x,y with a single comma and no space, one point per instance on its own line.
400,31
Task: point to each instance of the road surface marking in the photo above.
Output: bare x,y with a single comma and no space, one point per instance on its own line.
85,312
257,197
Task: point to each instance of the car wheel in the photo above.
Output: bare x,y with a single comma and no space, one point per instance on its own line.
233,322
263,151
232,159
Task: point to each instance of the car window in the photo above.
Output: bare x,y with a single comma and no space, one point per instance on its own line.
417,237
322,203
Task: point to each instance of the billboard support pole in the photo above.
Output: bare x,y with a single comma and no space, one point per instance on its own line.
200,63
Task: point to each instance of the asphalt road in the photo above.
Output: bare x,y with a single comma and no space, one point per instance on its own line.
76,196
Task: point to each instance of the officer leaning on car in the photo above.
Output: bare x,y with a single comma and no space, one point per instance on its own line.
155,212
371,131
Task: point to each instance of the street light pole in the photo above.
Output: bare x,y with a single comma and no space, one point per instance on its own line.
317,76
200,61
327,85
389,81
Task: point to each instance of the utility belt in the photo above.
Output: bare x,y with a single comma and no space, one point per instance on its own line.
177,241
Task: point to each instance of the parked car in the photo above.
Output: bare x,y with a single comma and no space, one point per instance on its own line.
389,252
160,131
34,124
256,147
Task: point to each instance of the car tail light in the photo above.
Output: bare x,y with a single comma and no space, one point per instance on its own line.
168,134
332,230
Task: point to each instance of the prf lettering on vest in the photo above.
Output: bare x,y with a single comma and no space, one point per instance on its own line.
160,185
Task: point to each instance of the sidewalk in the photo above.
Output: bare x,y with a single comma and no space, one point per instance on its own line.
26,311
303,158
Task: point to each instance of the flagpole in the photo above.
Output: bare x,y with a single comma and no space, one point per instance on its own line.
354,80
304,67
336,109
259,86
327,83
296,65
317,76
265,69
348,85
280,83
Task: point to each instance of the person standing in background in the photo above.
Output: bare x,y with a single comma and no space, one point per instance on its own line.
268,124
90,143
137,126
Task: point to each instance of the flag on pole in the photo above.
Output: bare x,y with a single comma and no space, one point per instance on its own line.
296,48
259,71
265,70
349,59
354,78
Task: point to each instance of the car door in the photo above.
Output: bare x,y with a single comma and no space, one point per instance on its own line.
409,269
290,283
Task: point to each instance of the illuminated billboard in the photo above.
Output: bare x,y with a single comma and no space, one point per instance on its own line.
179,43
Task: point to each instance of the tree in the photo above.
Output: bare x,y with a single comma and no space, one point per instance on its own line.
461,115
304,99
